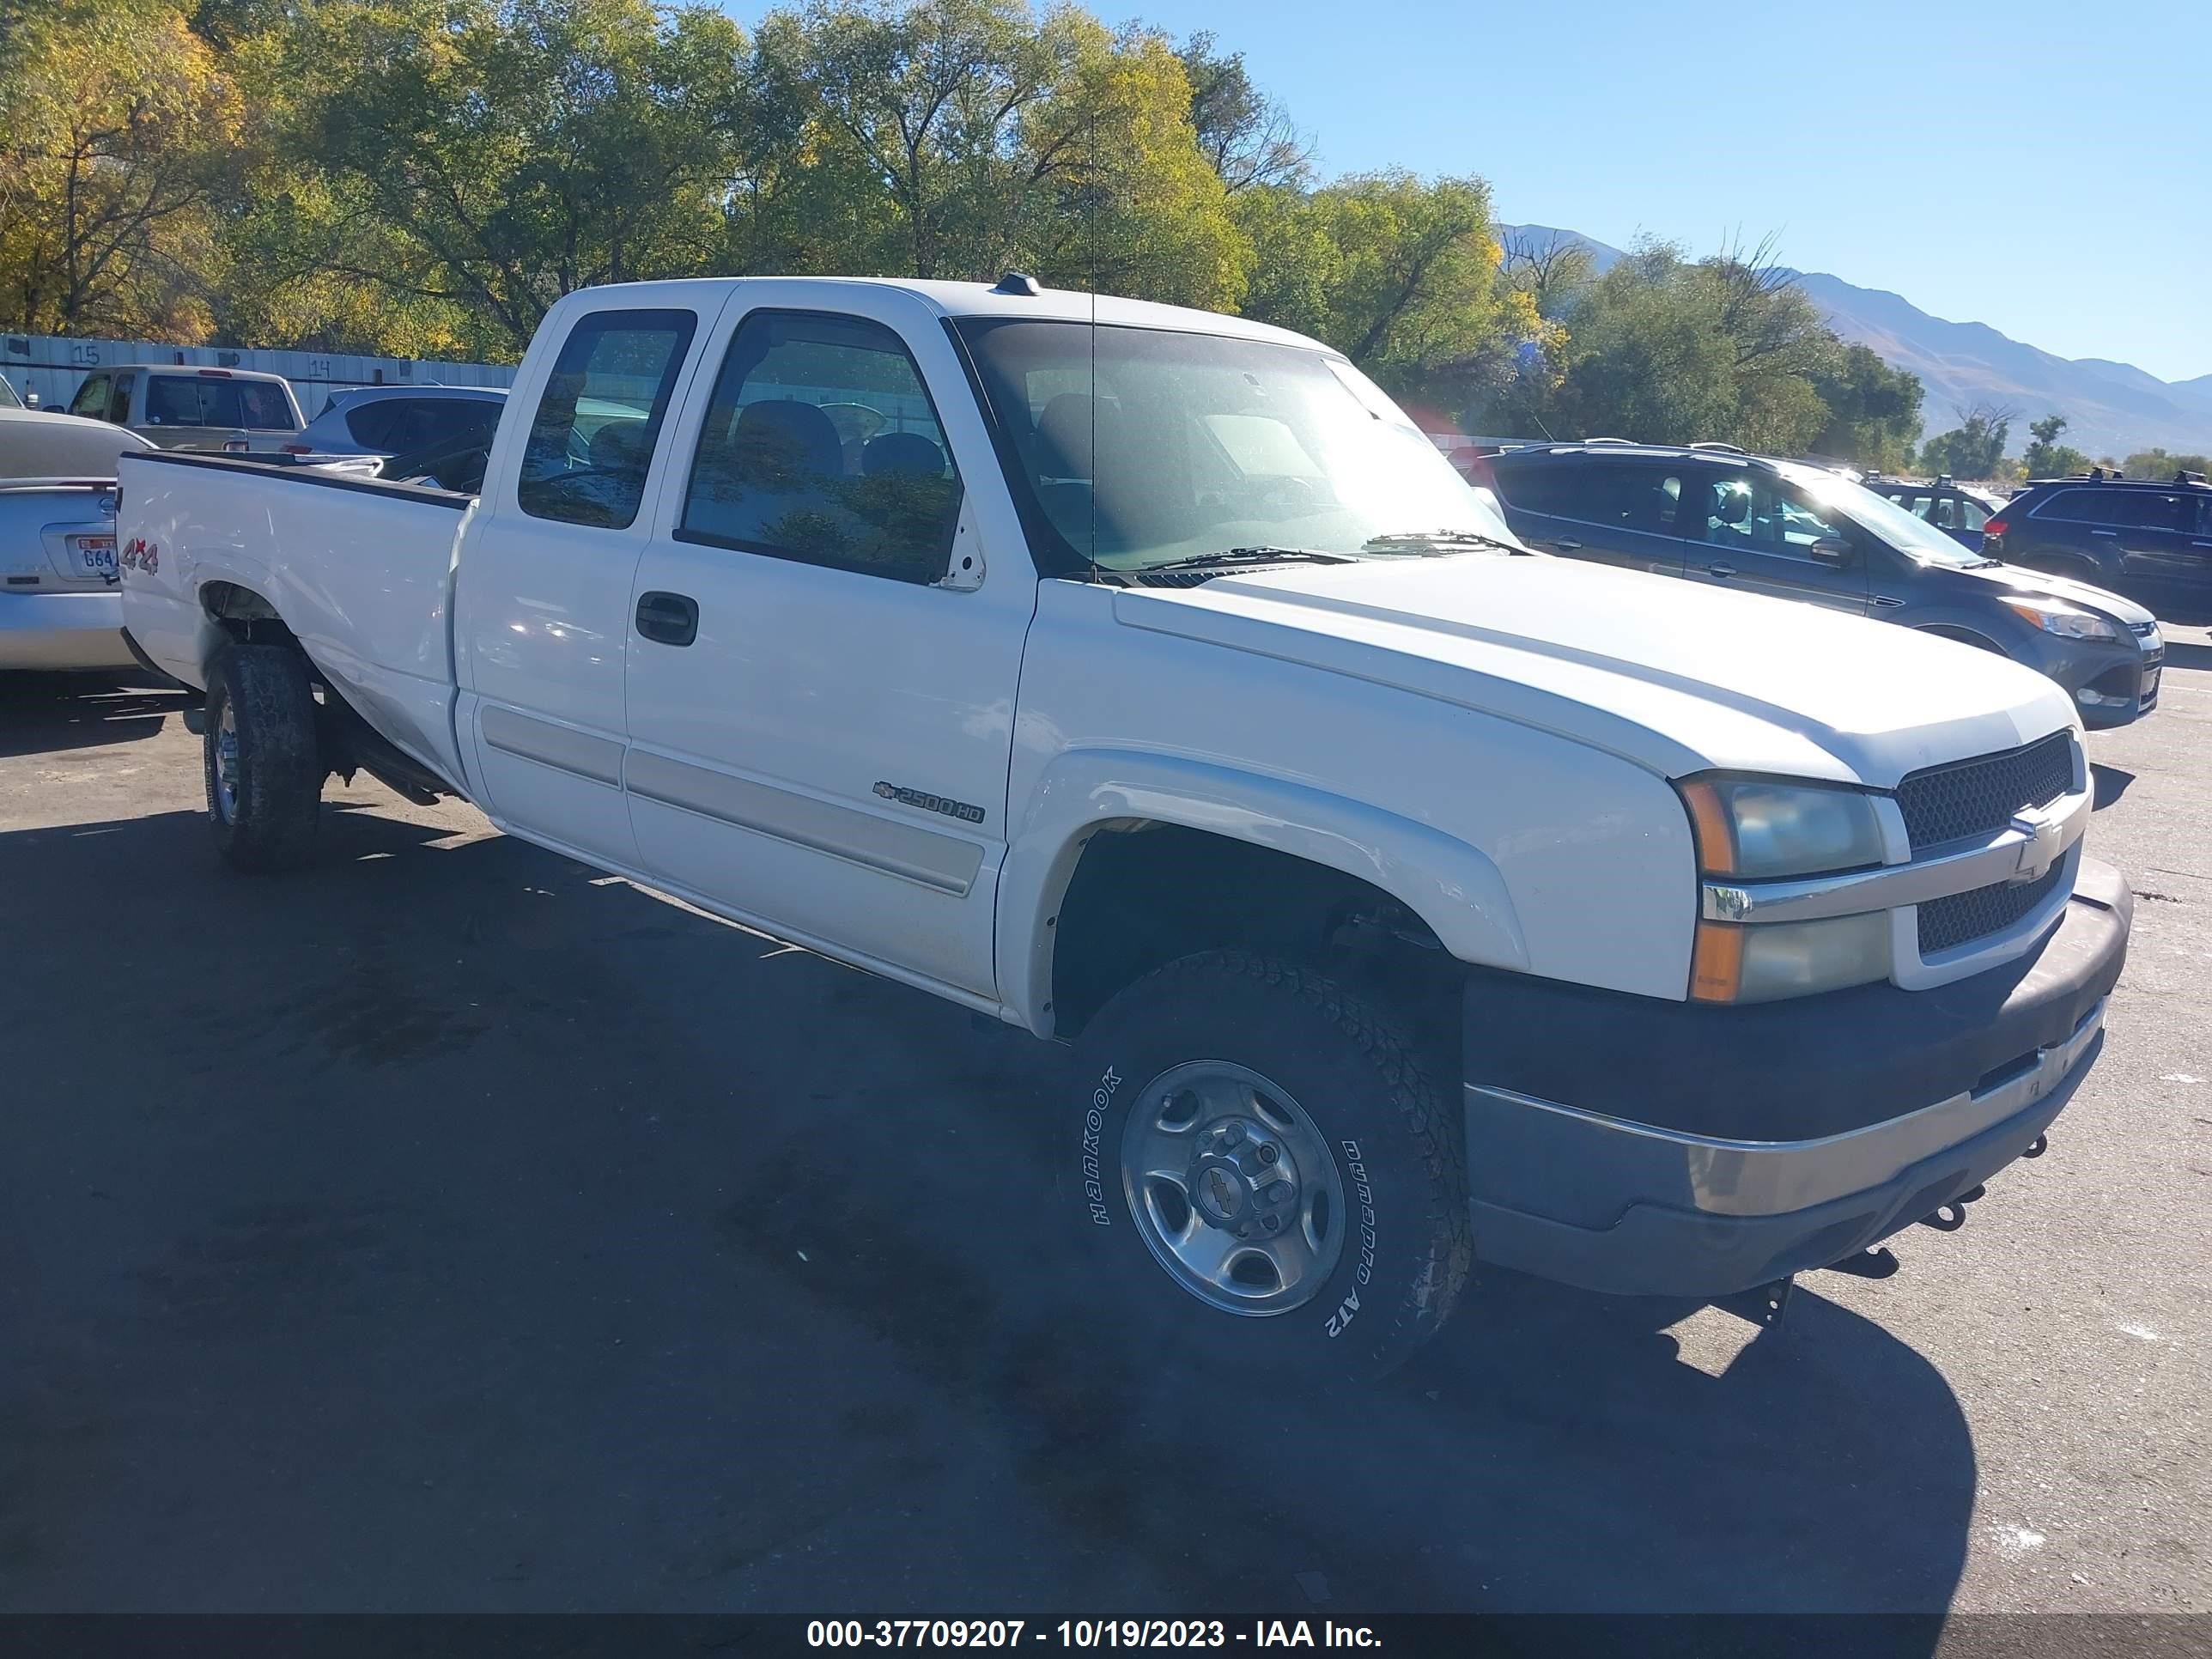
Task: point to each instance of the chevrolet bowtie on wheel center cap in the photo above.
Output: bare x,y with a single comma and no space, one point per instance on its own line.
1233,1188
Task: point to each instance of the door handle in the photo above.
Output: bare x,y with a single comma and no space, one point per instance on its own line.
2104,533
668,618
1565,547
1720,570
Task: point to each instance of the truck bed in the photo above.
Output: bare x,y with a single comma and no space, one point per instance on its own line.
361,571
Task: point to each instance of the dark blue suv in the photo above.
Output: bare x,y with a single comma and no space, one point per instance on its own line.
2151,541
1709,513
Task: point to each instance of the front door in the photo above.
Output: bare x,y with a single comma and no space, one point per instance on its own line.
2166,547
823,663
540,625
1756,533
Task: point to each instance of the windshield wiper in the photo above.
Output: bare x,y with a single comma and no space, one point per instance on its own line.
1254,555
1437,540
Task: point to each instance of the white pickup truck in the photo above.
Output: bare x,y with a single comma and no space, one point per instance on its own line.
1143,678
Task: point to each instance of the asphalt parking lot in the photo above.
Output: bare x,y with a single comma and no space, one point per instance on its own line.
451,1228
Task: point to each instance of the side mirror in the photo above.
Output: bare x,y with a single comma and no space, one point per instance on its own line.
1832,549
30,400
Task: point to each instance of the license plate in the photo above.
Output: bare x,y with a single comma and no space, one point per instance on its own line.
97,558
2149,688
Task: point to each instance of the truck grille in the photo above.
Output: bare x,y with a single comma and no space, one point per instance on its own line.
1962,918
1980,797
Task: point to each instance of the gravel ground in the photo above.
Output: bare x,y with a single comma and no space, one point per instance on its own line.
451,1228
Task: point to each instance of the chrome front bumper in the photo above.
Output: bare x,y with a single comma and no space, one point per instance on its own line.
1709,1176
1669,1150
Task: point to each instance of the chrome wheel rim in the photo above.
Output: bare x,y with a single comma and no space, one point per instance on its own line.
1233,1188
226,765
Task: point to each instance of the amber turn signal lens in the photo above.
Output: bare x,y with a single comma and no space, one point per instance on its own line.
1717,963
1710,824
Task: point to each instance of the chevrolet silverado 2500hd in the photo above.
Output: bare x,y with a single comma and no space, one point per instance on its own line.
1144,678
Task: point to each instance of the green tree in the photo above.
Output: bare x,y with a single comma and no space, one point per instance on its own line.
494,154
2157,463
115,125
1552,269
1661,349
1245,136
1874,410
2045,457
1975,448
1400,273
959,137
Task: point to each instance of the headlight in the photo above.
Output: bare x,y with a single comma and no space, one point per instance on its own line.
2063,620
1755,830
1751,829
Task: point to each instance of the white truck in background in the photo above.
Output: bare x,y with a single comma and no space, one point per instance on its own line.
1143,678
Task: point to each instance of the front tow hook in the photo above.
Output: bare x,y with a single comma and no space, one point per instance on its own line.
1949,1217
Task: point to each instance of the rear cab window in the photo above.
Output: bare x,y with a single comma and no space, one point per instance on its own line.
212,400
599,420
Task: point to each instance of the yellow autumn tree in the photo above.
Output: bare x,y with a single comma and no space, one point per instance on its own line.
115,125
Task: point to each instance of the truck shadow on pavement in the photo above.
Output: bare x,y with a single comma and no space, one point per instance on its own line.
46,713
448,1226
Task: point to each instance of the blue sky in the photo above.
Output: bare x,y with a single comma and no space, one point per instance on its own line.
1898,146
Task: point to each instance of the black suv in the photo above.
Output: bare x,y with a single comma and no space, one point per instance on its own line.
1709,513
2152,542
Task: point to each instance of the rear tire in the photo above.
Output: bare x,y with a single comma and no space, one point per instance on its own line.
263,774
1203,1086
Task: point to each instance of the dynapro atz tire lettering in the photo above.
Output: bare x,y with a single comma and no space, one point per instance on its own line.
1240,1112
1362,1271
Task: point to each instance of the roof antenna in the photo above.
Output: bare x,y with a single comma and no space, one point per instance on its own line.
1018,283
1095,467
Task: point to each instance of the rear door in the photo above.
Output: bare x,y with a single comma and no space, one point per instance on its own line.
822,668
1623,512
541,620
1758,532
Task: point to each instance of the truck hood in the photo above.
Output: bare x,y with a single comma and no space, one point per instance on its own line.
1679,679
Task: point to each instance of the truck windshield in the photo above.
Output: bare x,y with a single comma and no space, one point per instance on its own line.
1139,448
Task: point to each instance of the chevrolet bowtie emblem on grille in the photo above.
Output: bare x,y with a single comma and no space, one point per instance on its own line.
2039,851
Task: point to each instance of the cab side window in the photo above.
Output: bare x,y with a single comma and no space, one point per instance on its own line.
592,441
821,445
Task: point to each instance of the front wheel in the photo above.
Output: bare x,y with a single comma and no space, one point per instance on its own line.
1266,1168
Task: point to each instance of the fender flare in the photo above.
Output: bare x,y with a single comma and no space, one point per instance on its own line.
1449,885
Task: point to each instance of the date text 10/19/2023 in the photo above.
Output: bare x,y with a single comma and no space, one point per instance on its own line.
1086,1633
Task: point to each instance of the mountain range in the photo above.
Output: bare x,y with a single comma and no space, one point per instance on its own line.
2111,409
